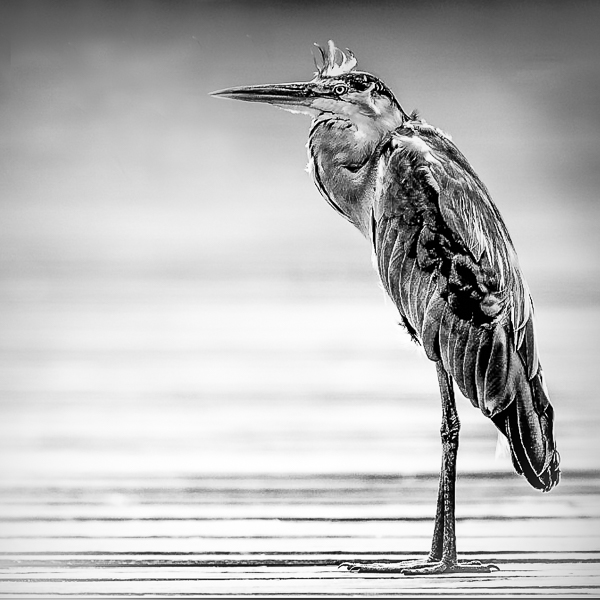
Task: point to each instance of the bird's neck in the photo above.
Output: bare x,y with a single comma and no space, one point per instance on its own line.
343,156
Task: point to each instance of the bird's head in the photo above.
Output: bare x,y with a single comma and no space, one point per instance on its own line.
336,89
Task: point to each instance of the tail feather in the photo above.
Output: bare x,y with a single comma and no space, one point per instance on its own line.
527,423
496,377
499,371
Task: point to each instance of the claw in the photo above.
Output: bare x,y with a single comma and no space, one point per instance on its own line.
352,567
372,567
438,568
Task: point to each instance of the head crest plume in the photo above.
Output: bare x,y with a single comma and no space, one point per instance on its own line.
335,62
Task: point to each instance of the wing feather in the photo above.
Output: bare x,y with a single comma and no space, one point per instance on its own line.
431,325
391,273
422,293
468,365
386,244
412,286
445,330
460,344
447,261
467,209
404,265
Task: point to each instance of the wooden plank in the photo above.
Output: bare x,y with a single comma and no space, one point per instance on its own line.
175,551
277,529
307,581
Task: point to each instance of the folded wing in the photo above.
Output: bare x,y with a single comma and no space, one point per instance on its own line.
445,257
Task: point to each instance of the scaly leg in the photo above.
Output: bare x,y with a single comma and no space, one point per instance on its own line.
442,558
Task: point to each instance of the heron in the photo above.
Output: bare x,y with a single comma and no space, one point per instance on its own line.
446,260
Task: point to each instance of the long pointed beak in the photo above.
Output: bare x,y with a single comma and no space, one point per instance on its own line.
281,94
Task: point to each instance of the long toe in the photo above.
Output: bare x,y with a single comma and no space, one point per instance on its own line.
438,568
391,567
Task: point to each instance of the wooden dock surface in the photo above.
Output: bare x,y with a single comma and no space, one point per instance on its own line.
159,441
286,535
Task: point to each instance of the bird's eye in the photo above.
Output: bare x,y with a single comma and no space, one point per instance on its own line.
340,89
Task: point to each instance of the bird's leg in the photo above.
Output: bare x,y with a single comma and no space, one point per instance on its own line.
438,528
442,558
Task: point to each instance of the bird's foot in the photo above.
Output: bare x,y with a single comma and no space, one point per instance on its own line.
421,567
459,566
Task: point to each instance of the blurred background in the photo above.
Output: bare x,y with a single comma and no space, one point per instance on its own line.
176,297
